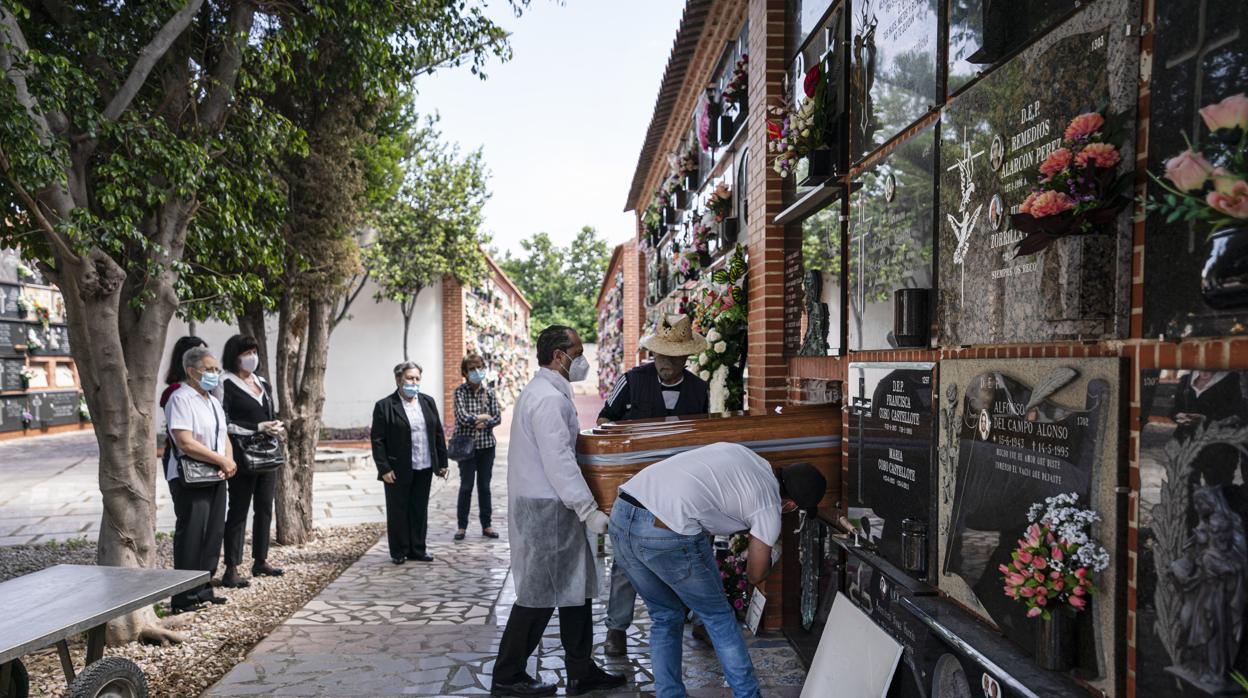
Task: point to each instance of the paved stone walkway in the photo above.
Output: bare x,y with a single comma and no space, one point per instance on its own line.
433,629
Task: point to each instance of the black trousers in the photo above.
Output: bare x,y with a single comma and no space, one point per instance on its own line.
197,534
481,468
249,491
407,514
524,633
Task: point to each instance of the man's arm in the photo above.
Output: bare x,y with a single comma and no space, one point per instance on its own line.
617,402
550,431
757,561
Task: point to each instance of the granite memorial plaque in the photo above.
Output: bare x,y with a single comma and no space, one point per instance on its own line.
995,136
793,297
890,237
13,335
11,373
893,69
9,293
891,444
11,409
1200,56
55,340
53,408
983,32
1013,432
822,333
1192,581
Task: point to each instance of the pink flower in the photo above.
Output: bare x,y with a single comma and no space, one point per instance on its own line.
1101,155
1078,591
1027,591
1039,562
1004,569
1231,112
1041,600
1078,602
1059,585
1057,161
1081,572
741,584
1057,553
1018,564
738,604
1024,557
1015,579
1035,612
1038,576
1188,170
1051,203
1084,125
1230,196
1025,207
1055,575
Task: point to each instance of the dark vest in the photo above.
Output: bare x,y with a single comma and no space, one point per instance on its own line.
645,394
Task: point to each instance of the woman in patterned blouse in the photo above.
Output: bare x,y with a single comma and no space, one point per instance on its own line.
476,412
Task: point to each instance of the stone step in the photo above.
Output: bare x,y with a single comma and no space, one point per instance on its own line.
332,460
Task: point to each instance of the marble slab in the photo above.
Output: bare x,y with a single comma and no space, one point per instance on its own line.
890,237
994,137
1200,56
1014,431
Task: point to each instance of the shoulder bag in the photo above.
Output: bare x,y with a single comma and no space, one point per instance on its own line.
462,445
196,473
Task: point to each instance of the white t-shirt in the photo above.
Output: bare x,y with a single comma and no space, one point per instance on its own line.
188,410
420,440
722,488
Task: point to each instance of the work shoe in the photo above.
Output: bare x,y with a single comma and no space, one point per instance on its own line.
597,681
231,580
616,644
526,686
264,569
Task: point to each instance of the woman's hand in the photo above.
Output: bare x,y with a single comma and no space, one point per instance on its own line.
388,477
482,420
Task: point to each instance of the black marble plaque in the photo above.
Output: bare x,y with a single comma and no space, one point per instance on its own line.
994,137
891,444
890,237
893,80
1193,511
9,293
53,408
983,32
13,335
55,339
793,297
11,373
1200,56
11,409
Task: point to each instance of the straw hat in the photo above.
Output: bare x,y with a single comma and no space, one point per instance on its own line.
674,337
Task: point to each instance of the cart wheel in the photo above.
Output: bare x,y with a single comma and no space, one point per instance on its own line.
110,677
19,682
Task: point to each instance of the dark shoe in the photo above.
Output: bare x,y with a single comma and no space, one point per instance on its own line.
598,681
175,610
700,634
523,687
616,644
490,533
217,600
264,570
459,535
421,558
231,580
398,560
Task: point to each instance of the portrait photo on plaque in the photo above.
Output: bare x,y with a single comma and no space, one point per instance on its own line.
1017,438
1192,588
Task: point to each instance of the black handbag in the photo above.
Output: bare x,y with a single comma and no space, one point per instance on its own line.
462,446
261,453
196,473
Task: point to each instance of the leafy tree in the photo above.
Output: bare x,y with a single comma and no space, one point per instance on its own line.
561,283
431,229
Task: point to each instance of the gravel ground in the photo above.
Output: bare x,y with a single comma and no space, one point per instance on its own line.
218,636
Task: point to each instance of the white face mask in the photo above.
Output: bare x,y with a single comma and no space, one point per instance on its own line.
579,368
249,362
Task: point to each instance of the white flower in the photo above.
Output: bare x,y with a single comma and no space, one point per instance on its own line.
721,347
805,133
713,335
703,359
704,375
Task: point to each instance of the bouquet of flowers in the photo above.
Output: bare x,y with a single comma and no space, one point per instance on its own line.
732,572
687,165
1052,566
795,132
737,89
1080,189
84,414
721,314
702,234
704,123
27,418
33,342
687,263
1207,183
720,202
28,374
24,272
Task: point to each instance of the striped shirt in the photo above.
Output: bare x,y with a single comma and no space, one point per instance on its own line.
468,404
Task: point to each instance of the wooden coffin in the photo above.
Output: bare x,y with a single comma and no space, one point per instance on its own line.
612,453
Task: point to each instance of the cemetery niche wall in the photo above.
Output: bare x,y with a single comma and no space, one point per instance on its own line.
995,139
1013,433
1192,589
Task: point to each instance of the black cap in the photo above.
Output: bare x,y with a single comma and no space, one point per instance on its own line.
804,484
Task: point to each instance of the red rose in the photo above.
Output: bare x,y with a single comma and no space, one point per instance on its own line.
812,80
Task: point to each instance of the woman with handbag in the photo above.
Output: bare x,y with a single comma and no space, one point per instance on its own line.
202,460
476,415
256,437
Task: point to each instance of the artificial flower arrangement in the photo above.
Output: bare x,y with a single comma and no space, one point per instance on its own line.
1052,567
24,272
84,414
27,418
720,313
737,89
687,263
687,164
33,342
28,375
793,132
732,572
1207,182
1080,190
720,201
702,234
704,123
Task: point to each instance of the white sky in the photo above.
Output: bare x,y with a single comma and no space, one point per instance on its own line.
562,123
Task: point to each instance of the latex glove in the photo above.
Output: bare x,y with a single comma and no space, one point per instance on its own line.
597,521
775,553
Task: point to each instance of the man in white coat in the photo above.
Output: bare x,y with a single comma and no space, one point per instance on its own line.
549,509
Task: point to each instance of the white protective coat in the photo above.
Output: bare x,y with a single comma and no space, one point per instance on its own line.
552,562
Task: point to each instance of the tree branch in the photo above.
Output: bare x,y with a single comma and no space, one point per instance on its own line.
50,232
212,108
17,76
350,298
149,56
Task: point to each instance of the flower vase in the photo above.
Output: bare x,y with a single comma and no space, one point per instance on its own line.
818,168
1055,640
669,216
704,259
1224,278
682,199
1076,276
728,233
691,181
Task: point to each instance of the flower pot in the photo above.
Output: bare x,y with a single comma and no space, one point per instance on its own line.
1055,641
1224,279
819,168
911,319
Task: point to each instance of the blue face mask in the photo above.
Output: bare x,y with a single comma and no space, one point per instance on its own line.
411,390
210,381
476,375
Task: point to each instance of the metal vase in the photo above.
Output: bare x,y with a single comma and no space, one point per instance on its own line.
1055,641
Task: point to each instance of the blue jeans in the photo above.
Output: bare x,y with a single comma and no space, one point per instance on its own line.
623,599
671,571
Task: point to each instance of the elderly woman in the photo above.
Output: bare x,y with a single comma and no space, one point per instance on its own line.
197,429
409,448
476,413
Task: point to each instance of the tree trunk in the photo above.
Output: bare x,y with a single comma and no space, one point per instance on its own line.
251,324
408,308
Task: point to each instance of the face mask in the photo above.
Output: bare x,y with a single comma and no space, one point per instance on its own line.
210,381
249,362
476,375
579,369
411,390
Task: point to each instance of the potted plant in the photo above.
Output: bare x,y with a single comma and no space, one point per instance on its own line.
1050,572
1206,184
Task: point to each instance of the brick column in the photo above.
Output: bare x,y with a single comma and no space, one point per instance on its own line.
633,301
452,345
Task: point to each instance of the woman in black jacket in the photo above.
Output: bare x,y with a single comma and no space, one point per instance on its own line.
248,410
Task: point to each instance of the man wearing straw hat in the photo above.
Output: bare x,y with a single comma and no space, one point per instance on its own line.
662,388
